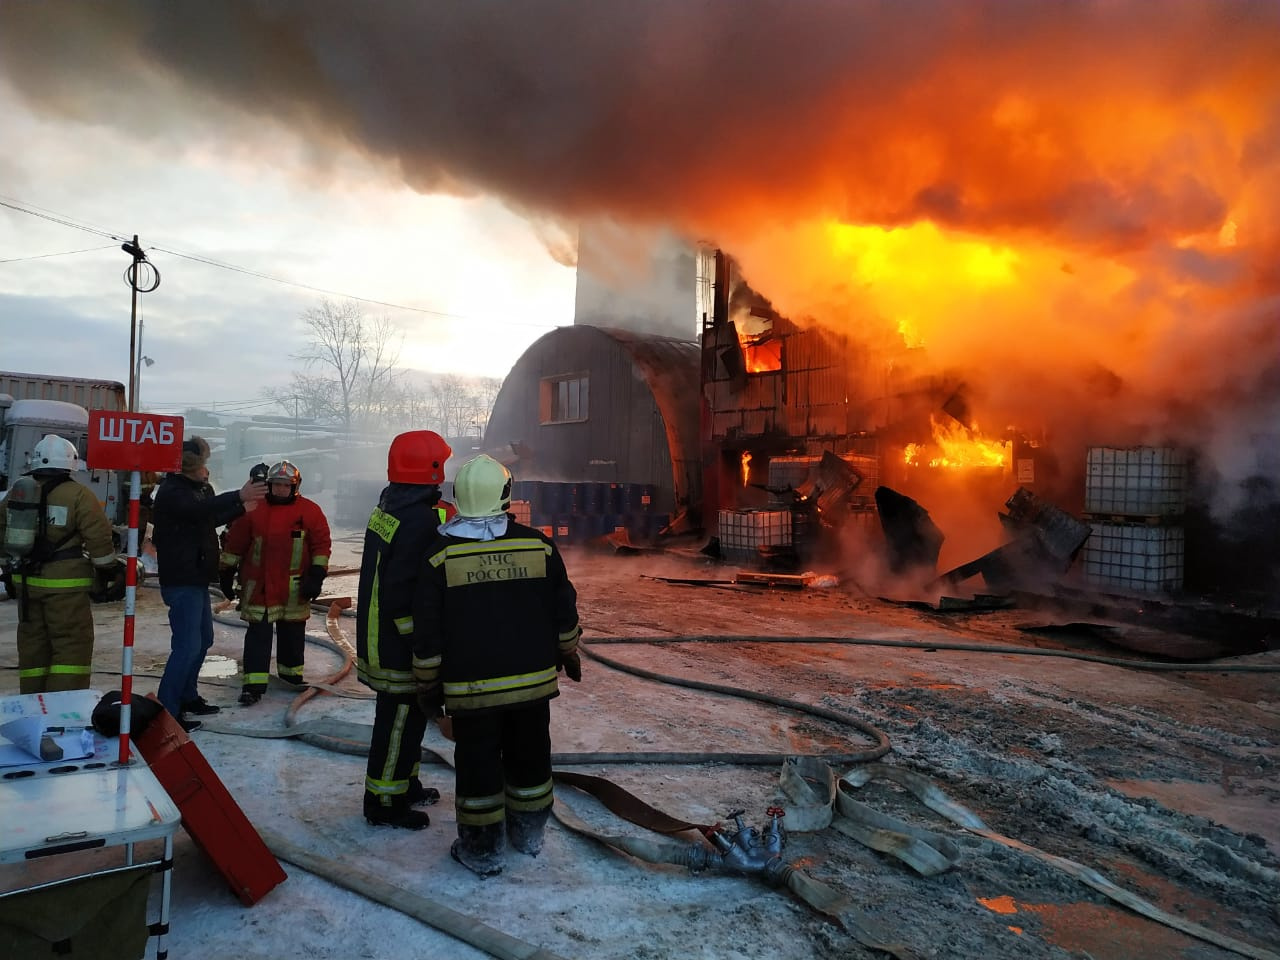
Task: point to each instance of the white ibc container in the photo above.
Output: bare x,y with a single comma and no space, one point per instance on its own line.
1136,481
743,532
1135,557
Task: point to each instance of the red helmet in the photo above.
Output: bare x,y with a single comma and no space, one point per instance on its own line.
418,457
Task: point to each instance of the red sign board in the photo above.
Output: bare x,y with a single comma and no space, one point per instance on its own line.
134,441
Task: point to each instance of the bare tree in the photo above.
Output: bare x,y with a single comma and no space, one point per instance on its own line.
487,390
359,355
315,398
451,403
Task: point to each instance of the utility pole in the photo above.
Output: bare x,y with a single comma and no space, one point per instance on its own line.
131,276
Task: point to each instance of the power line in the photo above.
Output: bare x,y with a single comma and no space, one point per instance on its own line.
230,406
35,211
22,207
64,253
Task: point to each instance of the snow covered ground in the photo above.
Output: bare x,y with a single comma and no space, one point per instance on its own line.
1166,783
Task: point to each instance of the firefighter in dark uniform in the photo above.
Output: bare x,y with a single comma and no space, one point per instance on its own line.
495,619
400,530
54,578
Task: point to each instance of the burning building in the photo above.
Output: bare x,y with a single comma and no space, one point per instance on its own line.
1062,215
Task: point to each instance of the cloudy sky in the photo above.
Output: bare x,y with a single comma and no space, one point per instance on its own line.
1070,205
484,286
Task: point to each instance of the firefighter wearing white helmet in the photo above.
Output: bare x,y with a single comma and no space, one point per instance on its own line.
495,619
59,541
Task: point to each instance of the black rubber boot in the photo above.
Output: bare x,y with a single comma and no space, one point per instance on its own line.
525,828
419,795
394,814
480,849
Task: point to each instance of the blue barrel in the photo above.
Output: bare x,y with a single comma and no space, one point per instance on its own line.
585,526
530,490
631,493
591,498
615,500
562,528
647,492
555,498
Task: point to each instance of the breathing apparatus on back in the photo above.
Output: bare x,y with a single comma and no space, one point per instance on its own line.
22,520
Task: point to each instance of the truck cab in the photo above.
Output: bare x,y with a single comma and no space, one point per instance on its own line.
24,423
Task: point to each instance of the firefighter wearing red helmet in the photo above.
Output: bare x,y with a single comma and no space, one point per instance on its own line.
400,528
281,552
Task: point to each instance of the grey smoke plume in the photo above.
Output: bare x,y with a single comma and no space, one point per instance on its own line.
692,110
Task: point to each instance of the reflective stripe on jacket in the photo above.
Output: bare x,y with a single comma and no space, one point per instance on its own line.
273,546
395,542
492,619
74,522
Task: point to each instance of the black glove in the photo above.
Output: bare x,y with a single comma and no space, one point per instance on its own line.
108,583
312,582
227,582
431,699
571,663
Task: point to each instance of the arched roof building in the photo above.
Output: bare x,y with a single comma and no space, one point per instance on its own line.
603,405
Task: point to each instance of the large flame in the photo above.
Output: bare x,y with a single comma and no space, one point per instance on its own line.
956,446
1070,205
760,355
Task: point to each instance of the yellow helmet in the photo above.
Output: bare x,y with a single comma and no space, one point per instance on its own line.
482,488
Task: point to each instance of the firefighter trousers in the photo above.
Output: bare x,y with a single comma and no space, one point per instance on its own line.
55,641
395,748
291,638
502,762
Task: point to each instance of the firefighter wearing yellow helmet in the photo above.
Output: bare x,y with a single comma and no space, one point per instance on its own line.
495,619
55,530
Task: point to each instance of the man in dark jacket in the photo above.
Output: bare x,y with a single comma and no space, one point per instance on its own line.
494,619
185,520
400,529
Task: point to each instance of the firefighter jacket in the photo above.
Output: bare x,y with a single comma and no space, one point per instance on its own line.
273,546
74,524
401,528
492,619
185,521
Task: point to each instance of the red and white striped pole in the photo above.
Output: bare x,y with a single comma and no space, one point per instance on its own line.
130,604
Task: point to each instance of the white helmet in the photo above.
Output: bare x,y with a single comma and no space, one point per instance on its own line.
482,488
54,453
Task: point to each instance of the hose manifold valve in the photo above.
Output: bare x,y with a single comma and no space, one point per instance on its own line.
745,850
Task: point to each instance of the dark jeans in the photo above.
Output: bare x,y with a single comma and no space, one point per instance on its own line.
191,622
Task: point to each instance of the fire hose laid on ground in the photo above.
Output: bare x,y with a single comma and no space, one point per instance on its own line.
817,800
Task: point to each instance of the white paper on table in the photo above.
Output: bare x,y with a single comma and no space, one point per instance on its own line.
25,733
